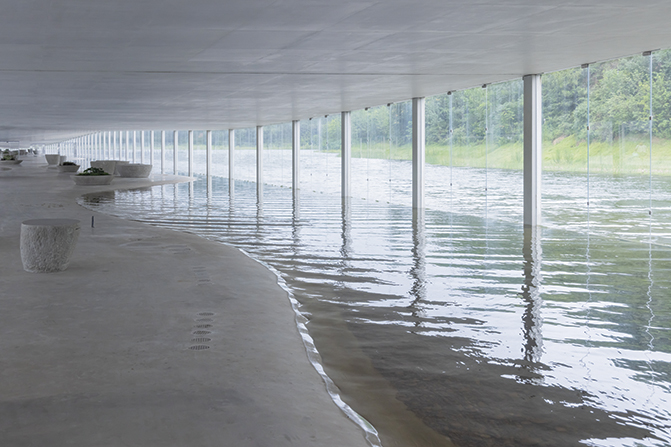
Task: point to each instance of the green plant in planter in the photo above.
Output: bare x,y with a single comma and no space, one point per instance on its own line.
93,171
7,156
69,163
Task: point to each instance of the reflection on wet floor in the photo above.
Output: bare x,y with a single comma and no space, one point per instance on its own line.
442,328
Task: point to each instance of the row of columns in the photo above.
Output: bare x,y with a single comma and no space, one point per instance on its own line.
105,143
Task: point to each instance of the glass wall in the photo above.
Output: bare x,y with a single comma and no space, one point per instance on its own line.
320,162
455,152
565,148
245,155
606,149
619,146
504,150
220,153
277,154
182,153
399,160
660,167
371,154
168,162
199,153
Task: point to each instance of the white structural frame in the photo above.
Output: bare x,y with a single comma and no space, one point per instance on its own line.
175,144
142,146
346,153
532,149
295,155
101,144
418,151
151,147
259,162
208,154
231,160
163,152
190,156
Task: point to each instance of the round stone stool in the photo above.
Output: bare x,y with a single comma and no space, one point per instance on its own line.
47,244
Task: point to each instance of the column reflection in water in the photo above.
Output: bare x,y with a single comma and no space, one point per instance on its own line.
418,291
295,223
532,318
346,234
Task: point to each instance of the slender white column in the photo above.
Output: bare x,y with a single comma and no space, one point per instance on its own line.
134,145
231,160
532,149
175,137
163,152
259,161
190,160
208,154
142,146
418,152
151,148
295,155
346,153
127,148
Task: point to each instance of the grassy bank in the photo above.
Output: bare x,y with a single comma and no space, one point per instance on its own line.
621,156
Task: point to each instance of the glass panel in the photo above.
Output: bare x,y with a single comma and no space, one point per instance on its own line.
182,153
199,153
277,154
619,151
245,155
455,172
220,154
370,153
168,167
320,154
399,162
660,198
565,114
504,147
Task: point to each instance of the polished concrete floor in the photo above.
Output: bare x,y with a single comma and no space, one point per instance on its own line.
149,338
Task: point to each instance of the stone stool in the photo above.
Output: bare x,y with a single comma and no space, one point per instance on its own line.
47,244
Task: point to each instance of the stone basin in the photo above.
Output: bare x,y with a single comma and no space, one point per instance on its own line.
108,166
134,170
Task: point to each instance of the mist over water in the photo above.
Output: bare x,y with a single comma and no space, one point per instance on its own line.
487,334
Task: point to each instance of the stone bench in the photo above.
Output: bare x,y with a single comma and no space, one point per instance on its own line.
47,244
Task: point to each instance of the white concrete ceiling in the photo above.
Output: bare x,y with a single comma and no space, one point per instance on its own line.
69,67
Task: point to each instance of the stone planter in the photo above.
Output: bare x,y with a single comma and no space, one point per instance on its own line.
134,170
47,244
10,162
108,166
54,159
92,180
68,168
119,163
